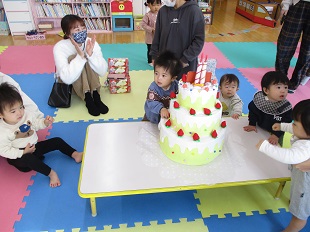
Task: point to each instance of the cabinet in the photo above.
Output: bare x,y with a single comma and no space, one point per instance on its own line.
95,13
207,10
18,13
4,27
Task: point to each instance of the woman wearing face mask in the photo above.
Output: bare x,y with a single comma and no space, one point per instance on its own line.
79,62
180,28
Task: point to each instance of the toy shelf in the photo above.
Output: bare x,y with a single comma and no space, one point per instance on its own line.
260,11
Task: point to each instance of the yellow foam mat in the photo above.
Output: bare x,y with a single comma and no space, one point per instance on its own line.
248,198
121,106
3,48
182,226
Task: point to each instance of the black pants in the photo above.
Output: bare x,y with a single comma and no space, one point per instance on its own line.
33,161
149,58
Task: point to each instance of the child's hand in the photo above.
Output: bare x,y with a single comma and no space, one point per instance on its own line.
29,149
273,140
259,143
235,116
164,113
304,166
48,120
276,127
250,128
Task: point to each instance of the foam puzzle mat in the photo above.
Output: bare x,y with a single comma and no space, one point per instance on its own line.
28,204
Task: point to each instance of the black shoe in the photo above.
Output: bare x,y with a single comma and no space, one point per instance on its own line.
102,107
90,105
291,87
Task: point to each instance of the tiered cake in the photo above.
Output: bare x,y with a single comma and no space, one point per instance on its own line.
194,133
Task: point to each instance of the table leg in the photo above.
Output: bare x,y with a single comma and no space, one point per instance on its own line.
280,189
93,206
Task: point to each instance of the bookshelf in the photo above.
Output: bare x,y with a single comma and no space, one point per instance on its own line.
95,13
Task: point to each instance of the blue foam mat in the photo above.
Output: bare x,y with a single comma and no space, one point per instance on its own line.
62,208
246,89
38,87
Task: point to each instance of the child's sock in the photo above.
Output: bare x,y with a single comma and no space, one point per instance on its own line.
90,105
102,107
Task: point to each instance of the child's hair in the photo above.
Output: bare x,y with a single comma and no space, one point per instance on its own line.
152,2
169,62
273,77
9,95
68,22
301,113
229,78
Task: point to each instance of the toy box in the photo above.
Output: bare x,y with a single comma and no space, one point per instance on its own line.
121,7
137,20
119,83
260,11
118,65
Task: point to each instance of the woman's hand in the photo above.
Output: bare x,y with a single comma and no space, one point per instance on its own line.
77,48
90,45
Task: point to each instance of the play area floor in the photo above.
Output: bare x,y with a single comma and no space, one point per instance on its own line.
29,204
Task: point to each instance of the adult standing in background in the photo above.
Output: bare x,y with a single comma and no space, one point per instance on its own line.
79,62
295,25
180,28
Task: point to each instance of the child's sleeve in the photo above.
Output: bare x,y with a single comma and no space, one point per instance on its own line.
6,149
145,24
252,114
152,102
287,127
299,152
237,105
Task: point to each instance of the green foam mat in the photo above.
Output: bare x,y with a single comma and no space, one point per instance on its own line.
135,52
122,106
250,54
2,48
248,198
182,226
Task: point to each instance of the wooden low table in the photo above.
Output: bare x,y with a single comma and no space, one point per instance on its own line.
113,164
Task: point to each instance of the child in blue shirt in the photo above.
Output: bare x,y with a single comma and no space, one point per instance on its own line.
166,69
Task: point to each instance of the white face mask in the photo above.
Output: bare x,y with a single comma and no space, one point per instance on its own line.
169,3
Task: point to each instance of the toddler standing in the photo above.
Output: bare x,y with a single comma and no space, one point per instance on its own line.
148,24
298,152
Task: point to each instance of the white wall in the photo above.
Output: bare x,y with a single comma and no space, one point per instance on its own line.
138,7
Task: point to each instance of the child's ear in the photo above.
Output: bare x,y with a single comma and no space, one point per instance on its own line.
265,90
174,78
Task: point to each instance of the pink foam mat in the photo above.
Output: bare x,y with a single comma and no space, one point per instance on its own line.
27,59
13,188
254,75
212,51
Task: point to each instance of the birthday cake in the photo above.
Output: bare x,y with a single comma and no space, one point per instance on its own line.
194,133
